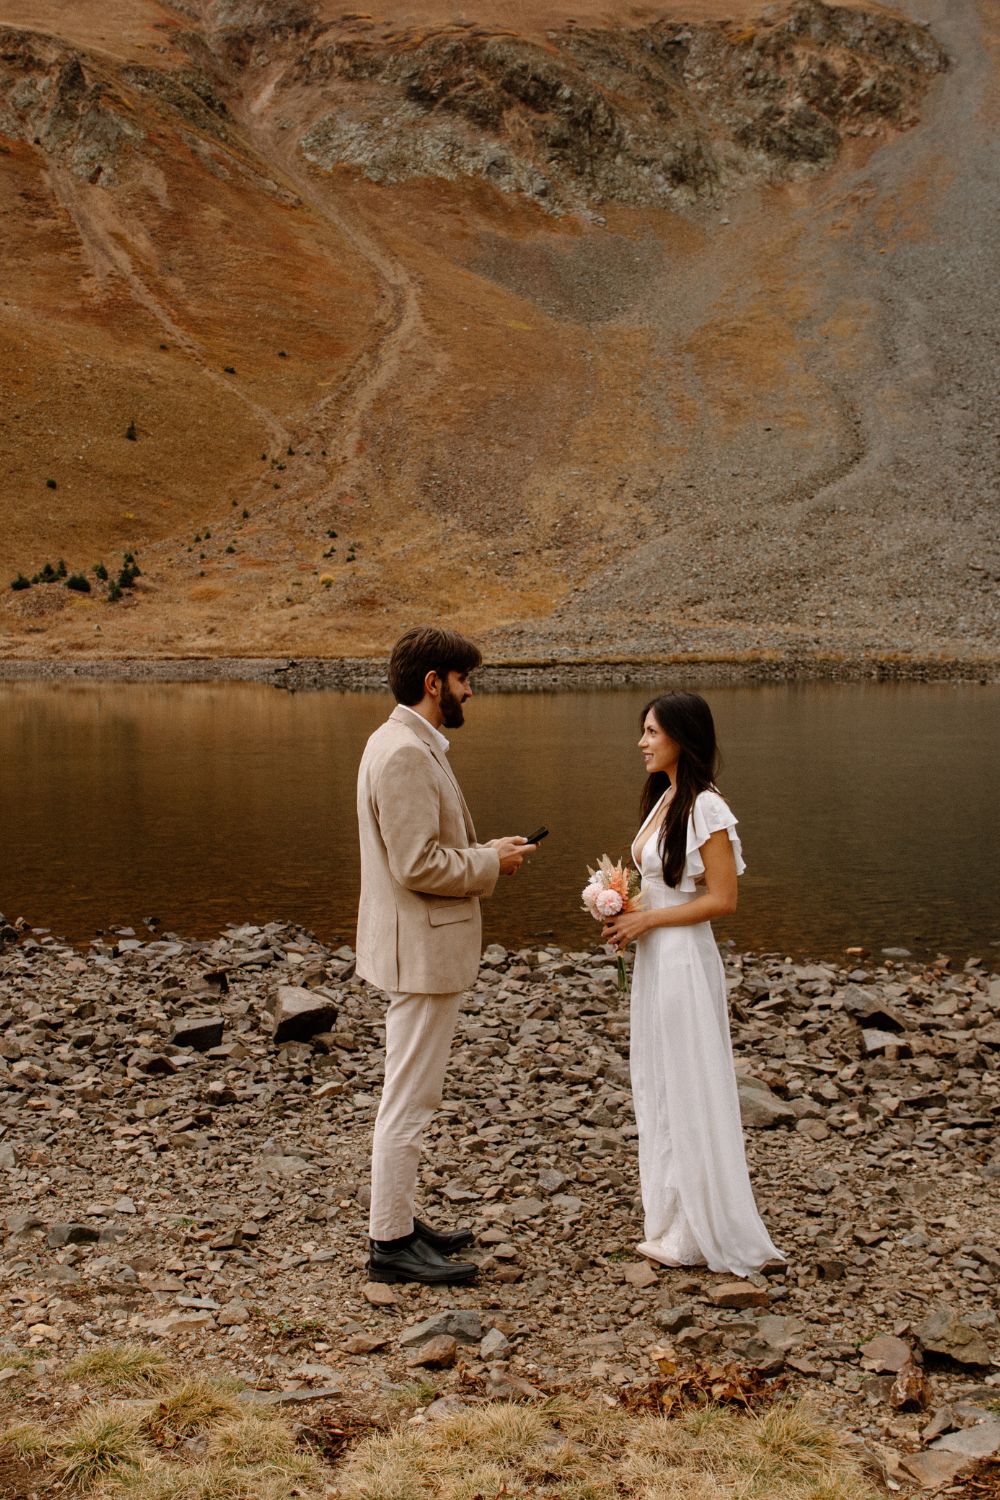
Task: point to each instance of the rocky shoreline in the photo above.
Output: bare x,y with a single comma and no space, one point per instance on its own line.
184,1131
569,673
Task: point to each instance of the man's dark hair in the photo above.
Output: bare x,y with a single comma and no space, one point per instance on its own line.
428,648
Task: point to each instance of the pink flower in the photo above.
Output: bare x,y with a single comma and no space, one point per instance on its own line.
608,903
590,895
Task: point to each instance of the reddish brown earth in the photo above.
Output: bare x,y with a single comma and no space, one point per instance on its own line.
594,330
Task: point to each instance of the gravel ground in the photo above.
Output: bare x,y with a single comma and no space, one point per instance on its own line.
215,1199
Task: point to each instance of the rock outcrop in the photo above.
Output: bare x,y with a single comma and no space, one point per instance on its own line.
644,115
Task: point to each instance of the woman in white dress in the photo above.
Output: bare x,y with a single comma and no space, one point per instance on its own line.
698,1203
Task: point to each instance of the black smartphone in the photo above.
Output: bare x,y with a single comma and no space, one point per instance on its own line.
538,835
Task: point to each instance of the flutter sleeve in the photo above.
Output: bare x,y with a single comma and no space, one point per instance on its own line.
709,815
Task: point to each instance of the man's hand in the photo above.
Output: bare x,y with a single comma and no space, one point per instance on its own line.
512,851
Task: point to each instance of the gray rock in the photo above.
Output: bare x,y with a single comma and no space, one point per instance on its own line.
869,1009
981,1441
493,1344
461,1323
673,1319
19,1226
526,1208
72,1234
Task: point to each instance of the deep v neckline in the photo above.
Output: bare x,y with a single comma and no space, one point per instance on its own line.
637,858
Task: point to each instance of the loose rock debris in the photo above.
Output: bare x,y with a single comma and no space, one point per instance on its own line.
165,1181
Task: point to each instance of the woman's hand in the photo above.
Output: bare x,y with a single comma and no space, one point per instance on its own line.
625,928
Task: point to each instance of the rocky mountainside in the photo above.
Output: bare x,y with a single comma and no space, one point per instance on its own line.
663,334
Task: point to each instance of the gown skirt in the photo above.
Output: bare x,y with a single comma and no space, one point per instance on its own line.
698,1204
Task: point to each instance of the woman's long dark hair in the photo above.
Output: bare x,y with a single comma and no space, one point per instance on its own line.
687,719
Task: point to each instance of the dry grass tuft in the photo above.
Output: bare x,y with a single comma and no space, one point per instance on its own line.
211,1479
575,1451
195,1405
24,1440
193,1440
104,1440
123,1369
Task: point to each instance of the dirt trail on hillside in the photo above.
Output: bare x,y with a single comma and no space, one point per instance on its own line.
338,417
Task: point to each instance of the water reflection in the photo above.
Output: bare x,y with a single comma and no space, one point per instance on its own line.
863,810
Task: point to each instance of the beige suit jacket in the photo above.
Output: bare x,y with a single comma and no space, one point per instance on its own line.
422,871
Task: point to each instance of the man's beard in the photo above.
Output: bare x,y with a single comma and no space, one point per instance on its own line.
451,709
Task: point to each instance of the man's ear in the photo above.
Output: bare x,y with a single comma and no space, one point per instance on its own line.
432,684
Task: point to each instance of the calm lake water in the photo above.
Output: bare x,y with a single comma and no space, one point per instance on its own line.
868,813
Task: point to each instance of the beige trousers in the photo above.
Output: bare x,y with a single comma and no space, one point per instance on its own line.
418,1034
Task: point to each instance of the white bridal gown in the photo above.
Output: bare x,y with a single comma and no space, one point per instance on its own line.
696,1194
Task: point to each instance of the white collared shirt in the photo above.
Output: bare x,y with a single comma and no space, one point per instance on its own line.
444,744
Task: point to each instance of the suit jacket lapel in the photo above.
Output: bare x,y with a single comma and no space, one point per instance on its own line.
423,732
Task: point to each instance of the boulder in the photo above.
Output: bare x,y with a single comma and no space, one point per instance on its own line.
300,1013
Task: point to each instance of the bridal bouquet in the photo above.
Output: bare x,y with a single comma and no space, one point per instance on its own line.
611,889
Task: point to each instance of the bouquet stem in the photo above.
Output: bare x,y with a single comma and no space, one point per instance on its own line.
622,976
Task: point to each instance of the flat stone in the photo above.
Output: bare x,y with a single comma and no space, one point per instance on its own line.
461,1323
181,1322
933,1470
876,1040
740,1294
300,1013
291,1398
885,1353
526,1208
233,1315
640,1274
981,1441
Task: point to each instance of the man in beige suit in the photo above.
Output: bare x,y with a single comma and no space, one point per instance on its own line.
419,930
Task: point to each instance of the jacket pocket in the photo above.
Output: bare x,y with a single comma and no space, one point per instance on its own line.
441,913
